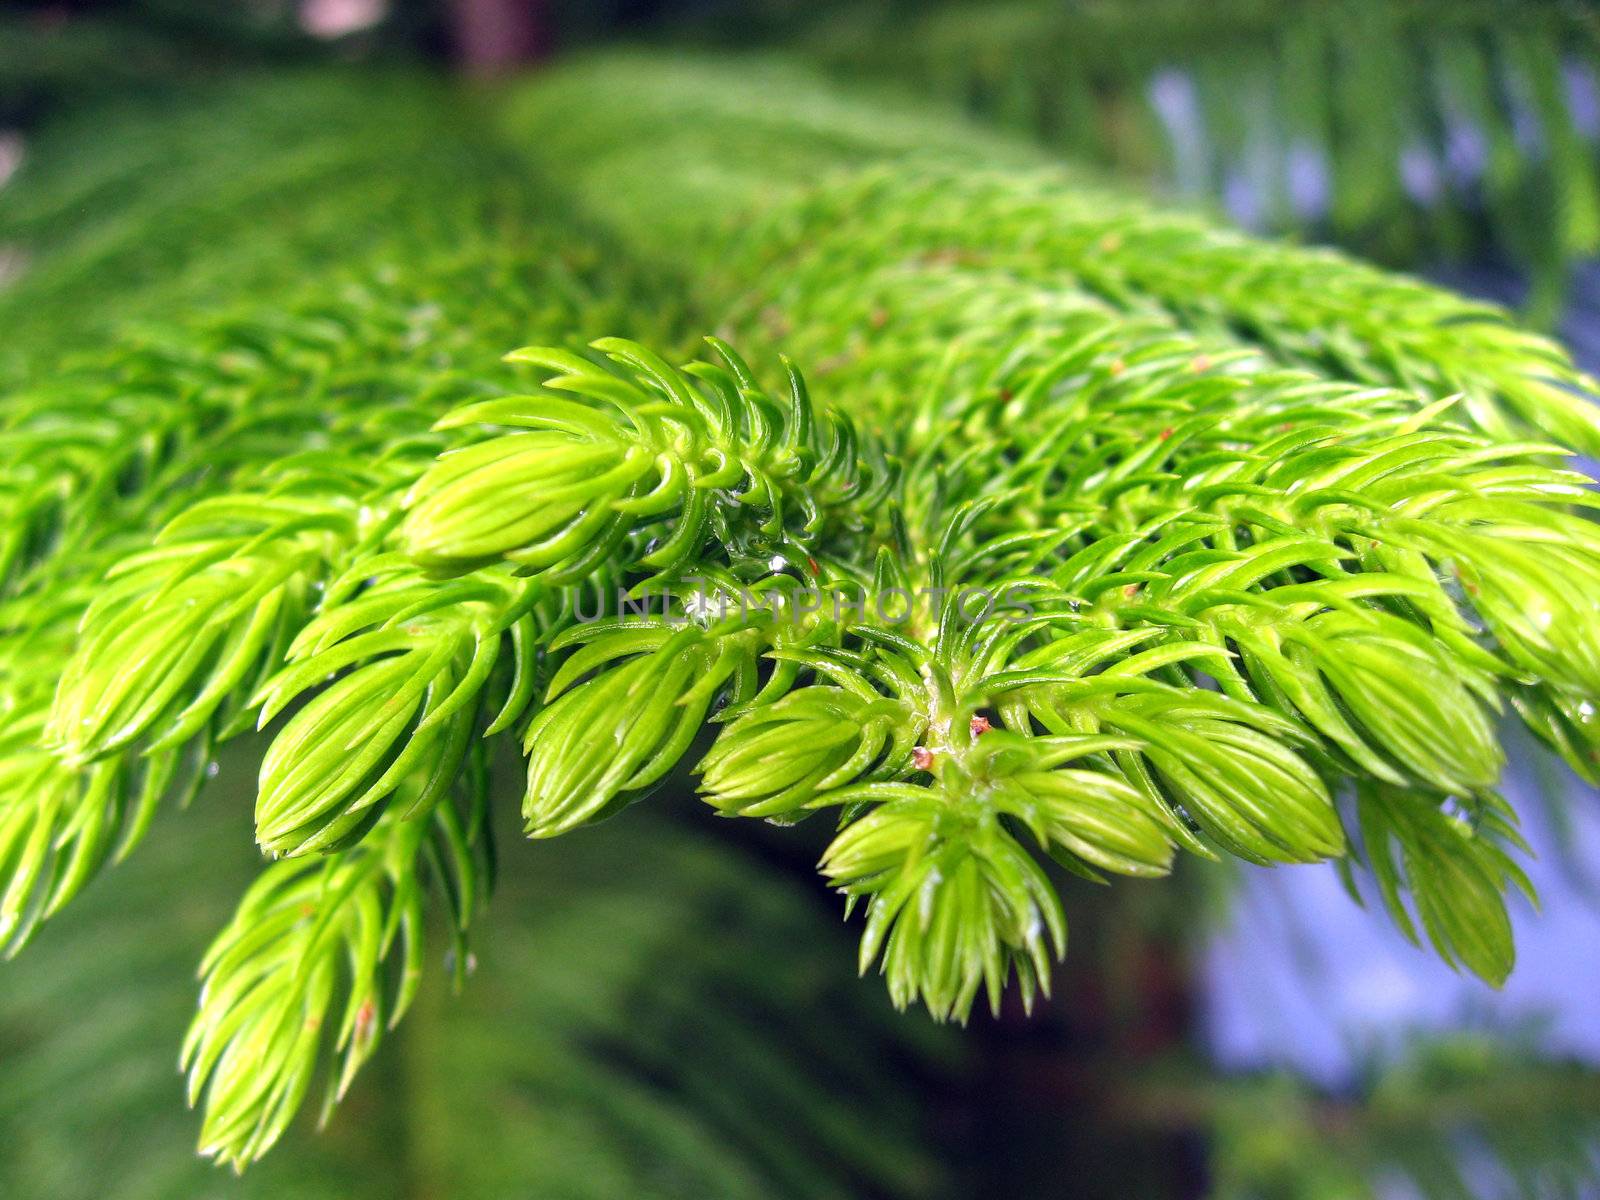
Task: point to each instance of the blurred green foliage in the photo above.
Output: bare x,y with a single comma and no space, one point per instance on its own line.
685,1027
61,56
1409,131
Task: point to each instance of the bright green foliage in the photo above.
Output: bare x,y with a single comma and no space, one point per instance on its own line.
1214,464
306,962
646,705
955,904
703,452
198,497
194,617
1309,306
1403,130
414,666
1456,875
1110,533
315,402
778,756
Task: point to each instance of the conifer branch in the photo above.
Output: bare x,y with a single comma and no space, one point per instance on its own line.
415,663
1404,132
303,414
323,956
1455,866
652,446
1255,530
962,196
1154,459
